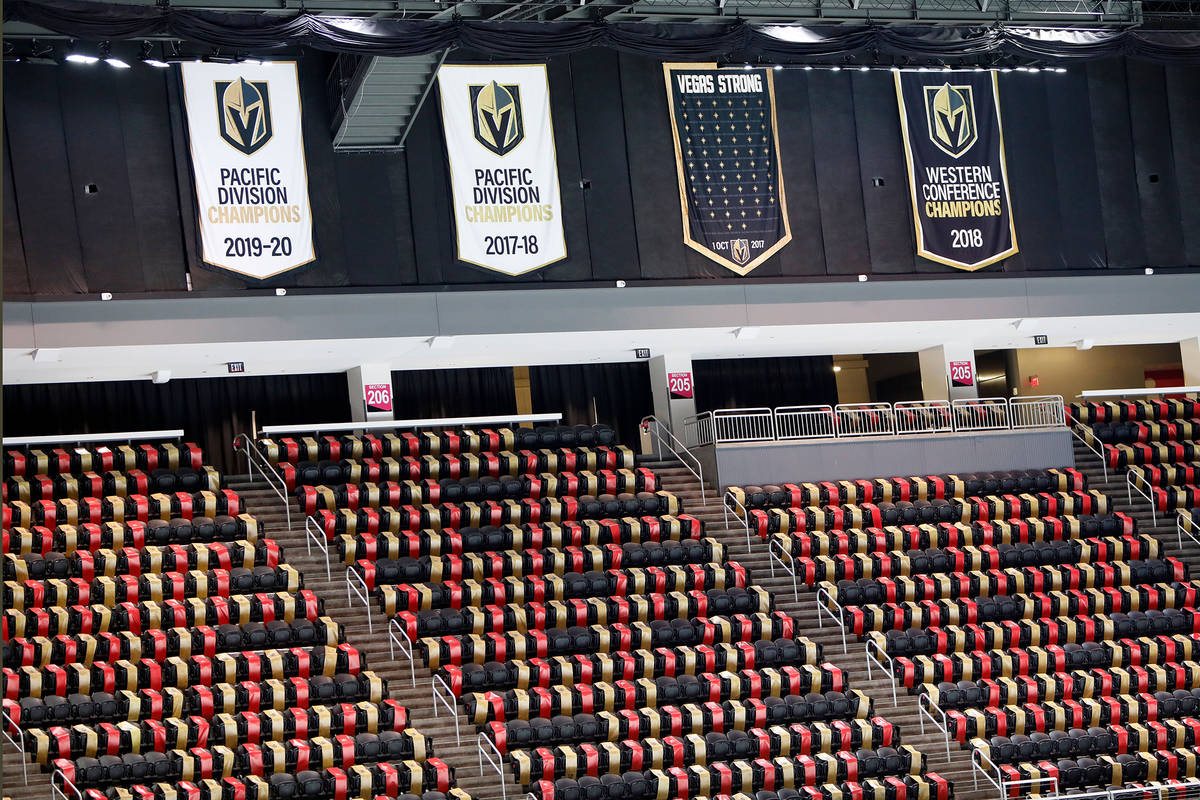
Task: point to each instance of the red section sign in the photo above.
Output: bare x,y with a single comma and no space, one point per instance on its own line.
679,385
962,373
378,396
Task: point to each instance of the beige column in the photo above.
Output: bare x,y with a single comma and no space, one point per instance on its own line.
524,397
850,372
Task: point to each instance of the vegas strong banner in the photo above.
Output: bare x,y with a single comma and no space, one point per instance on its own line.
503,168
248,162
954,144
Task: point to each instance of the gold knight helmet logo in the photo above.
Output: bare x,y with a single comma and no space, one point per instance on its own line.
739,249
950,112
496,116
244,114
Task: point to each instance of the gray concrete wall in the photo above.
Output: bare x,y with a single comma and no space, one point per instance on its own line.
758,463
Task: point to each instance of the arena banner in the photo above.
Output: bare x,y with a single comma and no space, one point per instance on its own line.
727,157
503,166
248,162
954,143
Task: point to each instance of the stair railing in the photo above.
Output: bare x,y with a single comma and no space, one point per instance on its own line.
777,556
983,765
1075,431
1131,487
15,737
664,438
743,520
487,749
256,459
357,585
315,534
398,638
444,697
885,664
929,710
1186,526
62,789
826,608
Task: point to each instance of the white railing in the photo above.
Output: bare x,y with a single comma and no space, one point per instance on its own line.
885,664
791,423
256,459
992,774
397,424
698,430
1186,527
777,556
744,519
1078,432
14,736
744,425
923,416
804,422
398,638
63,789
356,584
1131,487
487,749
315,534
92,438
865,419
1044,411
664,438
929,710
444,697
981,414
825,607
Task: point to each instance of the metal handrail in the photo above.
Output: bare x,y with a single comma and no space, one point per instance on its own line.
878,658
662,435
827,608
696,431
744,519
977,759
404,643
59,792
273,478
440,692
496,763
1185,529
730,419
85,438
18,743
1075,431
1131,487
926,708
315,534
786,562
358,585
395,424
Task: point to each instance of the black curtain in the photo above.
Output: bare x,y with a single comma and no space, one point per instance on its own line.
764,382
621,393
475,392
211,411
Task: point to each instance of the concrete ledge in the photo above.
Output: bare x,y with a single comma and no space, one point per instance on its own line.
758,463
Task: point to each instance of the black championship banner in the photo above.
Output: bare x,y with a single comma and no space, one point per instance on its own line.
727,154
954,143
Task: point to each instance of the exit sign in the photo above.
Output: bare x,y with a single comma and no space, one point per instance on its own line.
642,352
1041,338
235,366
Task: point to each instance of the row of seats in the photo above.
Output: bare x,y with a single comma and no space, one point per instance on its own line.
139,507
1089,412
29,461
147,560
911,489
68,539
294,450
1141,432
365,478
1131,455
505,463
113,482
1075,685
